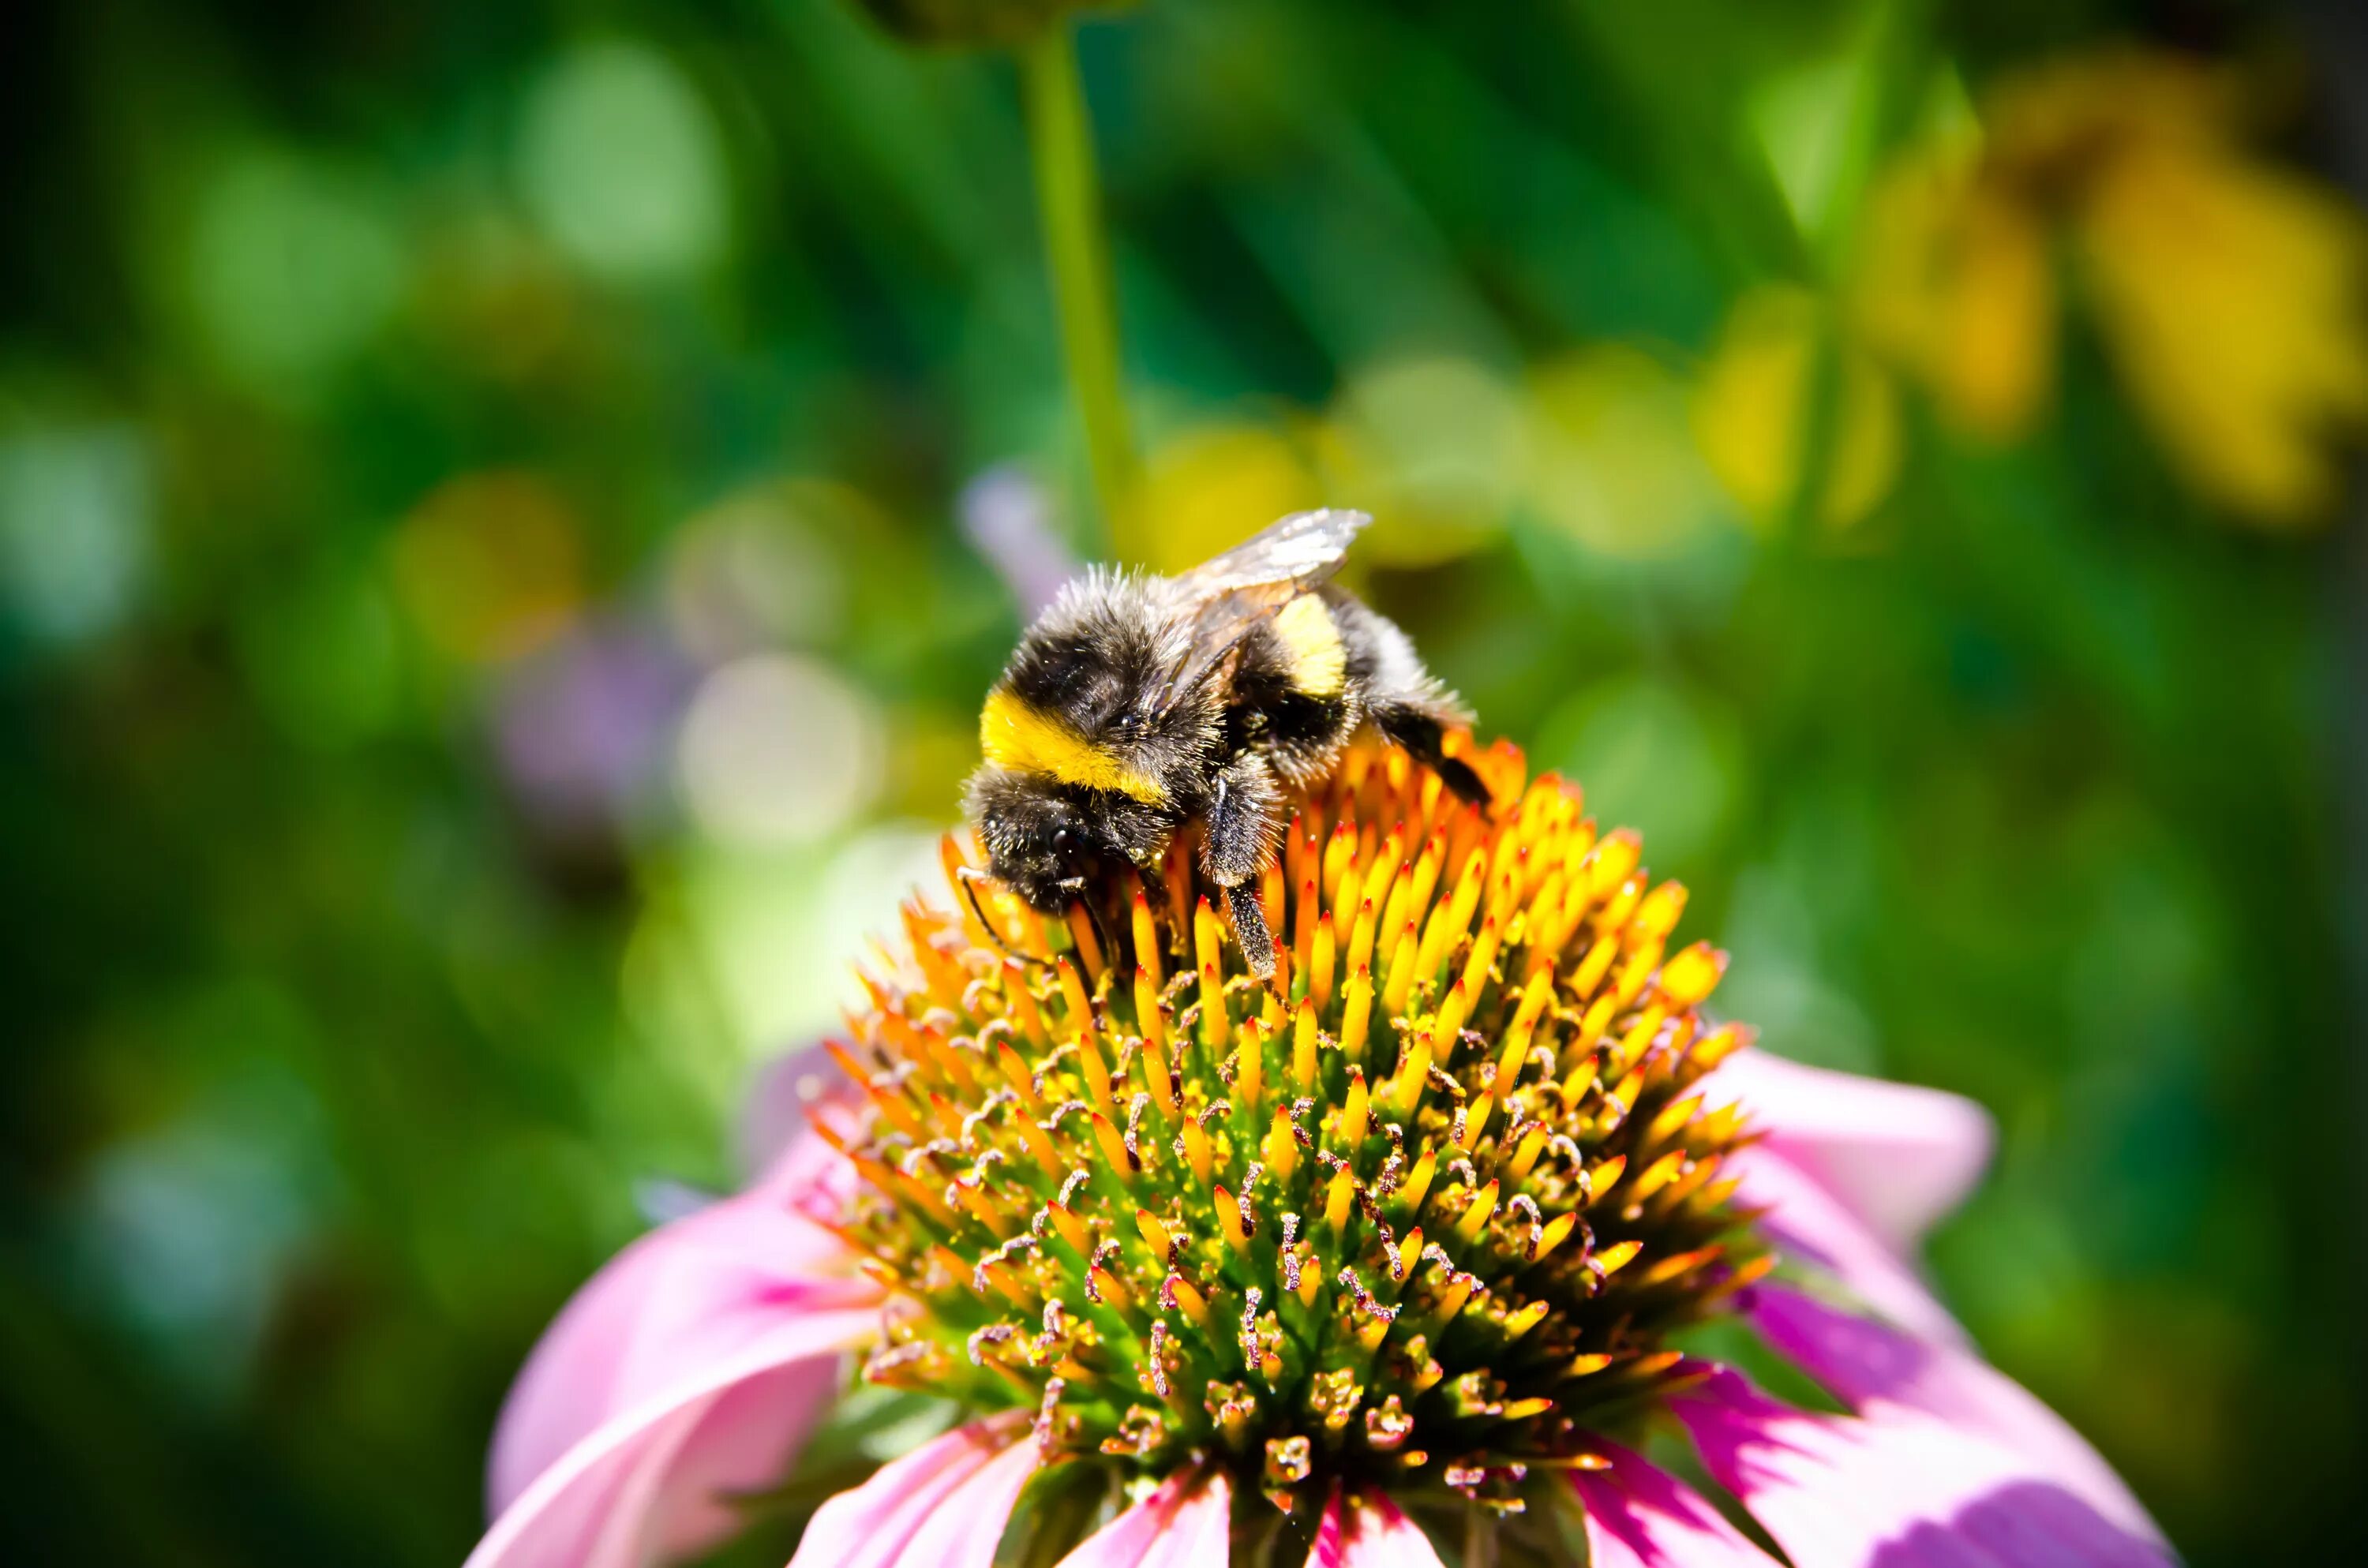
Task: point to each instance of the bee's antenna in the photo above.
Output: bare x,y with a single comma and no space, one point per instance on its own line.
970,877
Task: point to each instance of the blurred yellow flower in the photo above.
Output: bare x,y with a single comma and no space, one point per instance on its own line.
2231,296
1433,446
2227,291
1611,459
1210,487
1753,405
489,565
1955,286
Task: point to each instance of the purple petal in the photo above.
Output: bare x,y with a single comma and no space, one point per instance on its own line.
1641,1517
1867,1365
1369,1531
1897,1156
683,1300
612,1499
1187,1523
1897,1489
1006,515
1810,1225
944,1504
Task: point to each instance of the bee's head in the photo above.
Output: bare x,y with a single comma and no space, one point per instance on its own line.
1040,840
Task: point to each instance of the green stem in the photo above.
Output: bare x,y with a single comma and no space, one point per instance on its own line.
1060,134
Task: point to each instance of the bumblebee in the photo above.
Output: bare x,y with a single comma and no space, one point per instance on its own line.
1136,705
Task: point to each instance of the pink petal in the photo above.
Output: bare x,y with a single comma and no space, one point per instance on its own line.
1810,1225
810,1177
1641,1517
1868,1365
689,1297
788,1096
965,1531
610,1501
942,1506
1187,1523
745,1443
1370,1532
1897,1489
1897,1156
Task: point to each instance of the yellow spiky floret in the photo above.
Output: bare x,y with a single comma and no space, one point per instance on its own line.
1429,1224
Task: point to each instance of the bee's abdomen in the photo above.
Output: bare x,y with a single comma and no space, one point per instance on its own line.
1309,647
1292,694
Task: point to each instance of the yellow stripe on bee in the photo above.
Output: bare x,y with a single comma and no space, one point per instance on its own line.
1319,664
1027,740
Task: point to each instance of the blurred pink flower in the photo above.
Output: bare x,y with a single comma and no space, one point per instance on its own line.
691,1368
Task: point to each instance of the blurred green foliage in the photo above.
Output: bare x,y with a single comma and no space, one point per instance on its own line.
499,510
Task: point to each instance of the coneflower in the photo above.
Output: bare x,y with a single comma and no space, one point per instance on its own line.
1391,1258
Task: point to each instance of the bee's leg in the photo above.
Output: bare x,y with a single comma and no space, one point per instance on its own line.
1420,736
1245,814
1249,929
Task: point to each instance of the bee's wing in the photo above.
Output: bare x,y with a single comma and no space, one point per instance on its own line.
1303,548
1228,595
